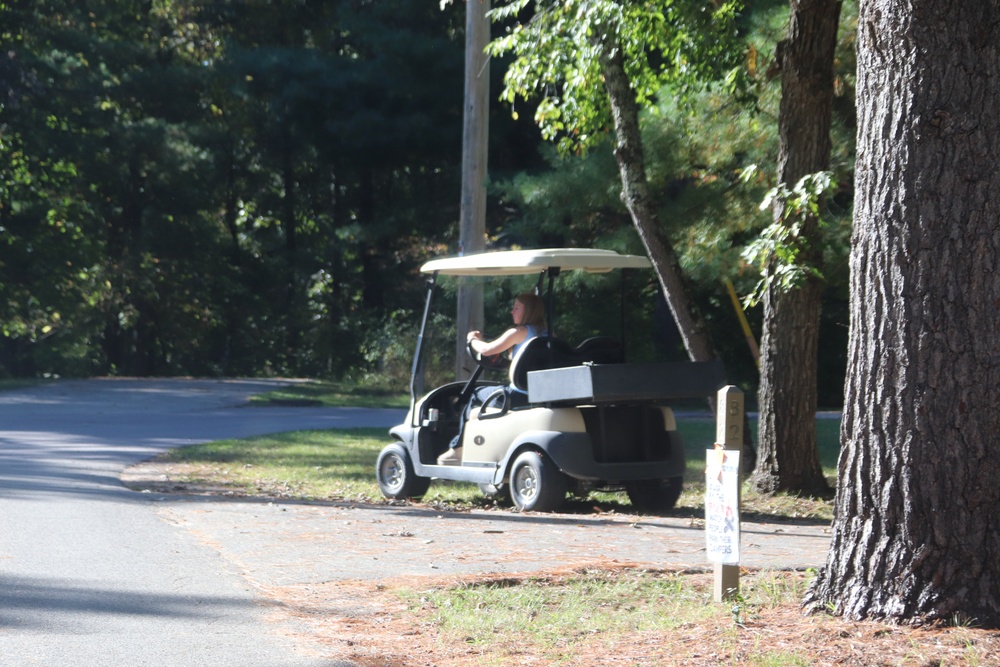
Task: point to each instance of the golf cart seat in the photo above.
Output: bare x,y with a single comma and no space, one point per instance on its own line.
541,353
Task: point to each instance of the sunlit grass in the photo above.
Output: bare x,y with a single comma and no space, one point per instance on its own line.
564,619
340,465
550,611
332,394
699,434
316,465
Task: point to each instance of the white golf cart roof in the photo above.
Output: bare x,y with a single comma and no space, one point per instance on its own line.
522,262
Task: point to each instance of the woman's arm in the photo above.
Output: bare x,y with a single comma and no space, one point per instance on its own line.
504,342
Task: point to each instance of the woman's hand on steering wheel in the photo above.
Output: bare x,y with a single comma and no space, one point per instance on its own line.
491,362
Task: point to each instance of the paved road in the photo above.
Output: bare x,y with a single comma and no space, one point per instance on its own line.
89,572
94,574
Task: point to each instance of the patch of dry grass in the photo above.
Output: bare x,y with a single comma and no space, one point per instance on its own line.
618,616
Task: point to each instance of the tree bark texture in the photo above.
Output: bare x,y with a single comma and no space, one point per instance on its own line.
787,453
916,533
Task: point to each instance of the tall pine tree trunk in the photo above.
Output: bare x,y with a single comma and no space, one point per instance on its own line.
916,532
788,456
289,225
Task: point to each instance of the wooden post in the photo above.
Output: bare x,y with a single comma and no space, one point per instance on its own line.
729,435
475,146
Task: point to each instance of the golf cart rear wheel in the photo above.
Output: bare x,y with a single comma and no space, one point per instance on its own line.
537,484
655,495
396,478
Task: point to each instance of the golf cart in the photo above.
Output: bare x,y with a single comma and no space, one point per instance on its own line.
589,420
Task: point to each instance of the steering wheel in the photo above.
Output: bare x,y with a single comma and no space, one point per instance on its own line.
494,362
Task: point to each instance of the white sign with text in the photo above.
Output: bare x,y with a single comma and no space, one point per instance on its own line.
722,506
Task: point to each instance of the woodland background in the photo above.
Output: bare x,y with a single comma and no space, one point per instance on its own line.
213,188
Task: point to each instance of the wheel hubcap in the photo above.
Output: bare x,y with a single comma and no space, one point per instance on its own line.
527,483
392,472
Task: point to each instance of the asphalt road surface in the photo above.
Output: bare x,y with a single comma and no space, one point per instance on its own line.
90,574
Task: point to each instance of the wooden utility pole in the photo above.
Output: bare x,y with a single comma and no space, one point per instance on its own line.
475,140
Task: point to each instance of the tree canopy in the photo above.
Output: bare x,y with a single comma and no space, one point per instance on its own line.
558,47
190,188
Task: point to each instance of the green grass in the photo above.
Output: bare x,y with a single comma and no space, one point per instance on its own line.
333,394
699,435
315,465
561,619
550,613
339,465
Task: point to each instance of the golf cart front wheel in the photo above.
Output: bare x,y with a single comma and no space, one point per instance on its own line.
396,478
537,484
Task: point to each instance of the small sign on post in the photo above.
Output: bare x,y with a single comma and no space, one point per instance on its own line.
722,506
722,494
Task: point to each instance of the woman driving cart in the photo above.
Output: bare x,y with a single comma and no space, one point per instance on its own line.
528,315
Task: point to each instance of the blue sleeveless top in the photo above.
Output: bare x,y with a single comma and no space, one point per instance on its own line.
533,332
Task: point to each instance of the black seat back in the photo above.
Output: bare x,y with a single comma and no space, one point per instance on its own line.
541,353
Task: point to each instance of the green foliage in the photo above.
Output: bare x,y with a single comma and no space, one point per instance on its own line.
189,188
698,146
696,151
388,347
558,47
780,253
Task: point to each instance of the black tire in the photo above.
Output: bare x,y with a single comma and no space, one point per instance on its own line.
395,475
536,484
655,495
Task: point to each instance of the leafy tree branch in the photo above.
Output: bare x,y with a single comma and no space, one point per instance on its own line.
784,254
